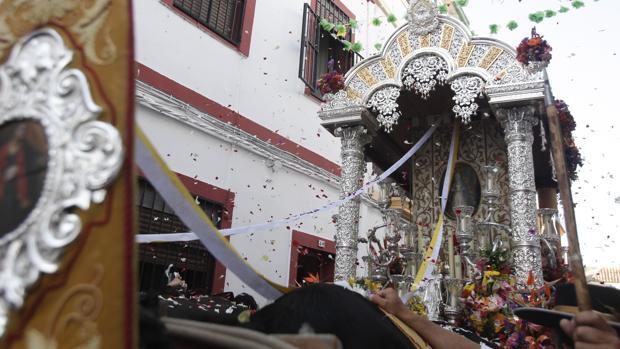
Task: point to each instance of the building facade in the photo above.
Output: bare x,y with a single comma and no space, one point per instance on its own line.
226,91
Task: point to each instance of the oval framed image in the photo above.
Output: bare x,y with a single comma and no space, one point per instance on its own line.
465,189
24,157
55,157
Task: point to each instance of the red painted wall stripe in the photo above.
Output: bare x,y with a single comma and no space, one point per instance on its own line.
206,105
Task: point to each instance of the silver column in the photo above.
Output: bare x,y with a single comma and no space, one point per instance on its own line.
518,123
353,140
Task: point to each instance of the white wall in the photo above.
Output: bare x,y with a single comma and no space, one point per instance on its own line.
265,88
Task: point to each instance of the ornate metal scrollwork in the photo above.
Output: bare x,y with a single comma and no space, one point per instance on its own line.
83,156
353,140
466,90
335,101
383,102
518,123
424,73
422,16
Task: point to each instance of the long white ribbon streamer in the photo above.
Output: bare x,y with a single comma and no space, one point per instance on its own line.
430,267
191,218
189,236
444,200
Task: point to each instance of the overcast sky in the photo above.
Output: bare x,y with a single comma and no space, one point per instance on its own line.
584,73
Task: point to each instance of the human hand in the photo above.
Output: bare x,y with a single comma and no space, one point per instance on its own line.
388,300
589,330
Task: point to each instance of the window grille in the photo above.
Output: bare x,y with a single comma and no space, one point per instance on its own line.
224,17
319,46
195,263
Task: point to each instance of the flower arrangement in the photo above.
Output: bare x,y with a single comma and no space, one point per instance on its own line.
331,82
534,50
489,301
571,152
365,284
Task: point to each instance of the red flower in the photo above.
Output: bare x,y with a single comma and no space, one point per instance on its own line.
331,82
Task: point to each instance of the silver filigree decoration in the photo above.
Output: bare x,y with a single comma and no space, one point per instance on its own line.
518,123
353,139
83,157
424,73
336,100
466,90
383,102
422,17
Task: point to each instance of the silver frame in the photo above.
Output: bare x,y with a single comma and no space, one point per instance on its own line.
84,156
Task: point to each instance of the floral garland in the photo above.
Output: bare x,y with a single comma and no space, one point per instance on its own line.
489,301
571,152
534,50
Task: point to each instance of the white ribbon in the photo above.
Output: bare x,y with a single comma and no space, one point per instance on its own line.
189,236
444,200
216,245
430,267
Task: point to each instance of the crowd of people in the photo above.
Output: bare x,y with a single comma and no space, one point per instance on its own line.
383,321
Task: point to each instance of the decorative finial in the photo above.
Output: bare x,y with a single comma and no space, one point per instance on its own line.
422,17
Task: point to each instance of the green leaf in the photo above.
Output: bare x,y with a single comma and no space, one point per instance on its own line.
443,8
578,4
378,46
341,31
357,47
391,18
326,25
563,9
353,24
537,17
493,28
347,45
512,25
376,22
550,13
462,3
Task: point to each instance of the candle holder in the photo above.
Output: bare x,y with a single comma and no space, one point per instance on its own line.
549,240
453,307
490,192
432,299
464,236
548,219
385,194
464,227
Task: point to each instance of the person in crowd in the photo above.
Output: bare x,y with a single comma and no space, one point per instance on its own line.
588,329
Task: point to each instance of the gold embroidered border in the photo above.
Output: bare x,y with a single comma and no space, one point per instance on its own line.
403,43
490,57
425,41
367,77
352,94
389,68
464,54
447,33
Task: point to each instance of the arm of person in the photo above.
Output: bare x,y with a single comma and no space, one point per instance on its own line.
437,337
589,330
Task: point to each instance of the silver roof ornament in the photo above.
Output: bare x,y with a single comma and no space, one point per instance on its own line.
422,17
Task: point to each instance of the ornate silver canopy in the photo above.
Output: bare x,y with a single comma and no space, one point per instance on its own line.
419,60
56,157
429,51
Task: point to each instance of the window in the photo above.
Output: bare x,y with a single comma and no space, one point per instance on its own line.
224,17
319,46
312,259
195,263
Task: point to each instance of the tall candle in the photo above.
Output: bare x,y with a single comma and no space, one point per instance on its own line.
458,271
421,244
451,253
